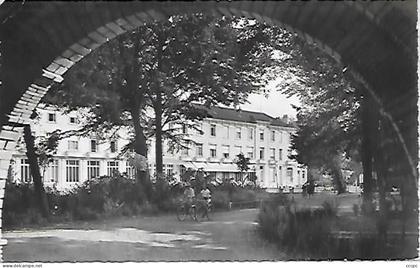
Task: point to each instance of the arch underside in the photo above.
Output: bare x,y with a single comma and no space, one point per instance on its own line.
41,41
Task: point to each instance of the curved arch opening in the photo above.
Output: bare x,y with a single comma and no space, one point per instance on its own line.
54,72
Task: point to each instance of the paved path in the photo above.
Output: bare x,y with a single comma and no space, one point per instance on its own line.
229,236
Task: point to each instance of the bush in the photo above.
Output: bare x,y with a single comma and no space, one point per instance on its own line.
303,231
220,199
149,209
103,197
164,194
330,208
243,195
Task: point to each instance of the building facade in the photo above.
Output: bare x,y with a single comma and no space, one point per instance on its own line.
223,135
227,132
77,159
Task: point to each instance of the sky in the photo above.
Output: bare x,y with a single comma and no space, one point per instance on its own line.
275,105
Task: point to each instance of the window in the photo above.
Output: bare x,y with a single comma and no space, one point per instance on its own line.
212,175
93,146
280,154
73,145
169,169
298,173
72,170
51,117
289,173
273,135
226,132
250,133
25,172
273,153
113,146
52,172
303,174
184,129
261,173
93,169
238,133
73,120
182,170
169,149
185,151
250,152
112,168
225,149
130,170
213,152
199,149
237,150
273,171
213,130
261,135
200,129
261,152
153,169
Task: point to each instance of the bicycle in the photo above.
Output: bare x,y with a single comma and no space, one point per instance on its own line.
182,212
205,209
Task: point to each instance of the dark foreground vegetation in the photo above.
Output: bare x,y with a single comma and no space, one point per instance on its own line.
108,197
324,233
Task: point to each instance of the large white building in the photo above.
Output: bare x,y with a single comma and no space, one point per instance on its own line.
224,134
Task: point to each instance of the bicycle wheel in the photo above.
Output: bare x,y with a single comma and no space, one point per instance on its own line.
210,212
193,213
181,213
200,211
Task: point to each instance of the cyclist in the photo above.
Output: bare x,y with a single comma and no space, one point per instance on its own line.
206,194
189,195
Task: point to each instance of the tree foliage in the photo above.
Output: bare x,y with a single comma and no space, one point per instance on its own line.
152,76
328,118
242,162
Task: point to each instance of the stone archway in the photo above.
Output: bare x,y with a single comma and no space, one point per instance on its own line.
375,40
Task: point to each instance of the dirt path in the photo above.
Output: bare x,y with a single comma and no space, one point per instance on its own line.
229,236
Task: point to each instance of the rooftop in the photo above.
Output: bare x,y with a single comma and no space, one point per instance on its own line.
244,116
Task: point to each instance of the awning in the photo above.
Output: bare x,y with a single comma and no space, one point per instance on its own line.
199,165
188,165
211,167
221,167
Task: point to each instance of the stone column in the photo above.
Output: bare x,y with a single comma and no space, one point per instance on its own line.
61,182
103,167
83,171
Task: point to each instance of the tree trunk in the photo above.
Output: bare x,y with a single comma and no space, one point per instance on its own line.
380,168
381,171
338,180
140,147
35,172
158,145
367,153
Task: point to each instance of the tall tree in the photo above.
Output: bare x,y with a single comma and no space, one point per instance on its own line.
328,125
225,60
165,67
35,171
